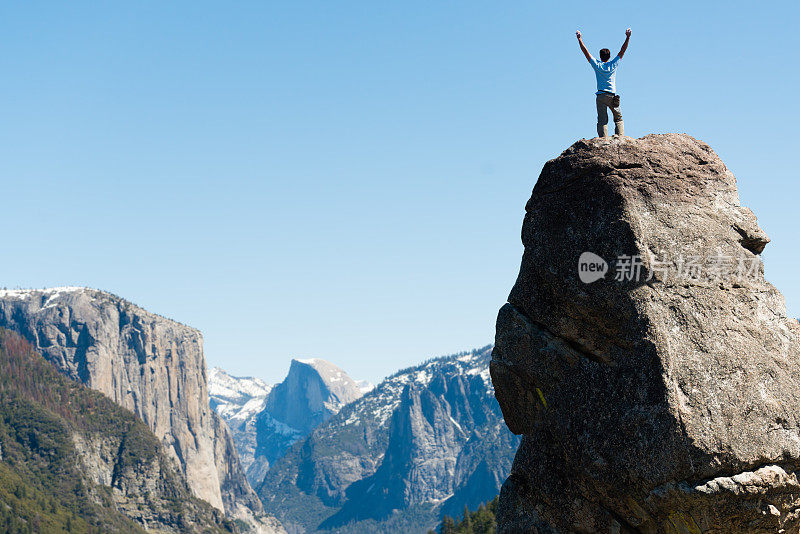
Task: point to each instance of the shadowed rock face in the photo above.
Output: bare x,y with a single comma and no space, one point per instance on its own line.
148,364
668,402
312,392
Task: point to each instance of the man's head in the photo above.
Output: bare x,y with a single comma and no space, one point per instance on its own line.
605,54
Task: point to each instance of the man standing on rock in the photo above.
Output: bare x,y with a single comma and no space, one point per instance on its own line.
606,73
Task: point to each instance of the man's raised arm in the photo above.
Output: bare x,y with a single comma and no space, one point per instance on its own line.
583,46
625,44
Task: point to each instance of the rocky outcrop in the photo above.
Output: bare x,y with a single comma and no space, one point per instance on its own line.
658,392
426,441
148,364
145,489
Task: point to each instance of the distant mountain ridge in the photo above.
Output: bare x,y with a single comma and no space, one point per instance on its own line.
266,420
425,441
239,400
232,394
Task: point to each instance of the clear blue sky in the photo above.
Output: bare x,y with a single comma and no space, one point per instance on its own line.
347,180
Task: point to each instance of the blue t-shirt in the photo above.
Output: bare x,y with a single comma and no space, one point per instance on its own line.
606,74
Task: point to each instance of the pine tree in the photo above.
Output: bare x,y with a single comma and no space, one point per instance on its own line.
466,524
481,521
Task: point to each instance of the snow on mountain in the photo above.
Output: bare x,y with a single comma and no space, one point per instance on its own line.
381,400
365,386
28,293
236,397
239,400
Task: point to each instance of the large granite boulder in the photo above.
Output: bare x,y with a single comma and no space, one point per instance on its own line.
648,364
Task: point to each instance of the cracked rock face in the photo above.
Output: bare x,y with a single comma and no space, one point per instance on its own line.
661,401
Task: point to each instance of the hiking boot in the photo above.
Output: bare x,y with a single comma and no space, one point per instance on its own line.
602,130
619,128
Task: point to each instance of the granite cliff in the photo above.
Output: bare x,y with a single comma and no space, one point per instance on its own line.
648,364
149,365
73,461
